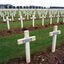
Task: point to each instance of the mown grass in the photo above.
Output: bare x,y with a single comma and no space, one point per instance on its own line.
9,49
26,23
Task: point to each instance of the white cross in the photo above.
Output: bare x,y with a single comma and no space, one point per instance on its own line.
63,18
39,13
50,19
5,12
43,19
12,15
54,15
27,41
27,15
8,13
54,34
21,19
12,18
19,13
3,17
45,13
58,16
8,25
33,18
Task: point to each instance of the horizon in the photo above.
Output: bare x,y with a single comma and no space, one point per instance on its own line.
31,5
46,3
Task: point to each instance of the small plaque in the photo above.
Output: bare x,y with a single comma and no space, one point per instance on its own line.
27,40
55,33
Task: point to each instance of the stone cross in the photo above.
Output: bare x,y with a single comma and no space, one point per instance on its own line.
8,13
58,16
8,25
54,13
45,13
5,12
3,16
27,41
19,13
50,18
54,34
33,18
26,14
63,18
21,19
12,15
39,13
43,19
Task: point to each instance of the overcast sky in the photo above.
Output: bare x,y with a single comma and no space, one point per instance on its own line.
46,3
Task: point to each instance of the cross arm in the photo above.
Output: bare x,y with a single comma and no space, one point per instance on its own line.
33,17
20,18
25,40
54,33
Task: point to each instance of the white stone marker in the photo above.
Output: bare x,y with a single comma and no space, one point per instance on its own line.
8,25
8,13
43,19
39,13
2,15
50,19
27,41
58,16
21,19
3,18
19,13
12,17
27,15
54,34
63,18
33,18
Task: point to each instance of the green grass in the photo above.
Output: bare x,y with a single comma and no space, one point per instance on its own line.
26,24
9,49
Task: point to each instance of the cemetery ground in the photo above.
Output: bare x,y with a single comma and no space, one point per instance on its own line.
15,26
10,32
3,26
11,50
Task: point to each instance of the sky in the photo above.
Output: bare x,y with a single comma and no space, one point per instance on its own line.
45,3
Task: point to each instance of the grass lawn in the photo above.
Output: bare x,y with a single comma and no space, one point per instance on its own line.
26,23
9,49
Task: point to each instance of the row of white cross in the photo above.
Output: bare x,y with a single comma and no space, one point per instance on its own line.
33,22
28,39
30,12
8,13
